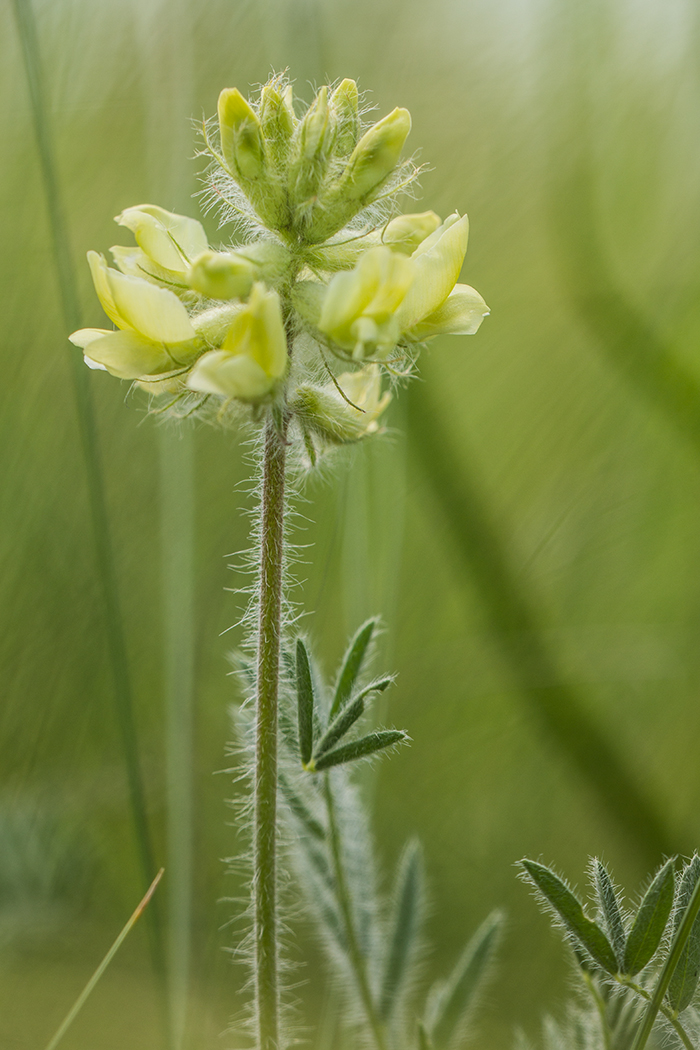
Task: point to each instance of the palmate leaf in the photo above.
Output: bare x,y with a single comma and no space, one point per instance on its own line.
570,910
404,930
610,908
347,716
352,665
684,981
650,921
450,1001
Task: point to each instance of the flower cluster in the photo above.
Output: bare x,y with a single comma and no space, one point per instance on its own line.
328,273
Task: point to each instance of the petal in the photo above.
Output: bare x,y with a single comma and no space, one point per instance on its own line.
99,270
258,332
155,312
135,263
460,314
84,336
437,269
230,375
171,240
128,355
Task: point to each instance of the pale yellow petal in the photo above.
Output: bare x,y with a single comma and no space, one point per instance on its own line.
258,332
128,355
230,375
155,312
460,314
99,269
171,240
437,269
84,336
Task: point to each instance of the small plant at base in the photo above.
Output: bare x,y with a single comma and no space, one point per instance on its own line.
292,330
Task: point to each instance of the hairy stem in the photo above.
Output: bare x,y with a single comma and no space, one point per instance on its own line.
356,958
265,789
668,1014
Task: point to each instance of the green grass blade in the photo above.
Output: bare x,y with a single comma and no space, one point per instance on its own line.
352,665
90,986
104,555
558,708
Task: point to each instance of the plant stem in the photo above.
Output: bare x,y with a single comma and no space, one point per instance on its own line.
265,786
356,958
600,1007
656,1001
668,1014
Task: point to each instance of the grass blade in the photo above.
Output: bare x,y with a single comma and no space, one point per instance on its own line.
104,556
352,665
89,987
558,708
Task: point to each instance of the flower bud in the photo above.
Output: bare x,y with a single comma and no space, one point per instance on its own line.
344,107
277,120
222,275
253,357
310,155
339,419
406,232
376,155
242,143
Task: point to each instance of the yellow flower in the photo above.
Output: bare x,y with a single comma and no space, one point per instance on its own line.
253,357
167,244
359,307
155,336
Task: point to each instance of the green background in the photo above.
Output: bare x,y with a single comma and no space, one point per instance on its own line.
538,491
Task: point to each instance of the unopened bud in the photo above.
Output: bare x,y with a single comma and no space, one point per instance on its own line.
242,143
277,121
344,411
345,110
376,155
222,275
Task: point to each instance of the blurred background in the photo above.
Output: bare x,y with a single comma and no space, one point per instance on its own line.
529,530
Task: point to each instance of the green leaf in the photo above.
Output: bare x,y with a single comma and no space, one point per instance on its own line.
300,810
366,745
449,1001
650,921
305,703
570,911
610,907
340,726
404,930
352,665
684,981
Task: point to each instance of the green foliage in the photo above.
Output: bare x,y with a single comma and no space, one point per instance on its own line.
684,981
650,922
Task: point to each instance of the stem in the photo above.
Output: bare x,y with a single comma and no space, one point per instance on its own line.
356,958
668,1014
265,788
600,1007
656,1001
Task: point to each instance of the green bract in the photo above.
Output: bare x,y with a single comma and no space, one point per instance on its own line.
326,257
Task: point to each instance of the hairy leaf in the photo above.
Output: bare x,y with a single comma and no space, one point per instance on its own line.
684,981
610,907
570,911
305,703
404,930
366,745
300,810
352,665
650,921
449,1002
340,726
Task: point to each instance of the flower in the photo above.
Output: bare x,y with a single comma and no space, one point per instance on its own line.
156,335
253,357
167,244
345,410
359,308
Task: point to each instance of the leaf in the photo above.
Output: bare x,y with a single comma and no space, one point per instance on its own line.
650,921
366,745
305,703
570,911
684,981
404,930
340,726
300,810
352,665
610,907
450,1001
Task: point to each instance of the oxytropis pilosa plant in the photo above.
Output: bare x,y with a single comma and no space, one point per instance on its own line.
326,297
